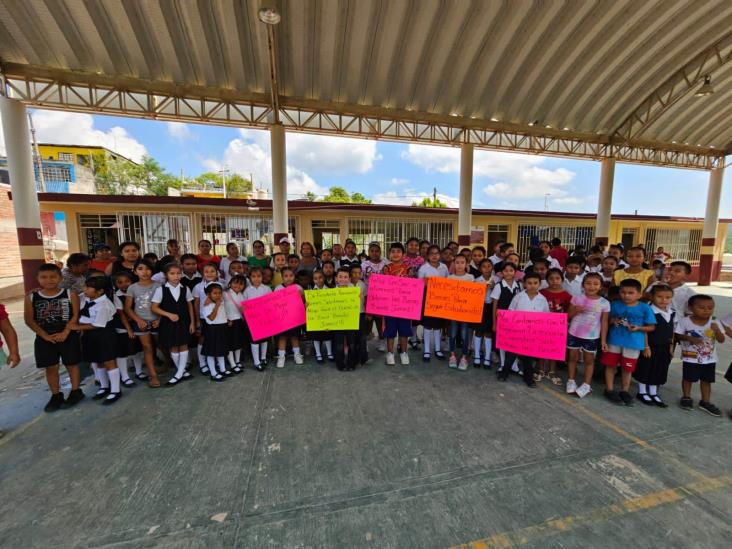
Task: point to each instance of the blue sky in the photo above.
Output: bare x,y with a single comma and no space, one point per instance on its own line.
389,172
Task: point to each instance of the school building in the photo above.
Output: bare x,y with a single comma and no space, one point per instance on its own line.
152,220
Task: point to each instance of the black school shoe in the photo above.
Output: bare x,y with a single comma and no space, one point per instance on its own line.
101,393
75,396
111,399
626,398
686,403
645,398
612,396
710,408
54,403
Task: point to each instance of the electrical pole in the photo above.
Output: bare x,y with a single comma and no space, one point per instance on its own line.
434,197
37,154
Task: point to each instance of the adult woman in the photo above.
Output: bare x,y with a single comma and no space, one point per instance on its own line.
308,261
204,255
232,251
259,259
129,254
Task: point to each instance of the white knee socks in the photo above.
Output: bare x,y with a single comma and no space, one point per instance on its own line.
438,339
122,367
427,341
642,388
652,389
329,348
137,361
477,340
180,360
316,346
103,378
211,363
114,378
488,345
222,364
232,359
201,359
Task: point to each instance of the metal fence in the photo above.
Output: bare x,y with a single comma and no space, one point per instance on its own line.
242,229
682,244
385,231
153,230
571,237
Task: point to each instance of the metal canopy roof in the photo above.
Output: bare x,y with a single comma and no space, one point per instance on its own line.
576,77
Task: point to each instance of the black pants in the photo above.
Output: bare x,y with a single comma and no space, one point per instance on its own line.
361,351
340,340
527,365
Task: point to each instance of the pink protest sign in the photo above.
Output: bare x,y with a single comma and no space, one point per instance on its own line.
395,296
274,313
538,335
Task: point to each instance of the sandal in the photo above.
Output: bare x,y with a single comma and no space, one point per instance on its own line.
554,378
173,381
129,383
217,377
154,383
237,369
142,376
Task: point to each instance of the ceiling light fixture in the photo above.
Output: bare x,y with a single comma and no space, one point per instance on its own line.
706,88
493,119
269,16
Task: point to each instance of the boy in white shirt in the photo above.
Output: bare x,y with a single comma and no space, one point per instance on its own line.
573,276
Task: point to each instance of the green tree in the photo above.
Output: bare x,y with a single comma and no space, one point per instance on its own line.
428,202
310,196
125,177
235,183
339,194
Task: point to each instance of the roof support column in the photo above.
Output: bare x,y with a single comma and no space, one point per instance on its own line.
605,201
708,267
23,187
279,182
466,194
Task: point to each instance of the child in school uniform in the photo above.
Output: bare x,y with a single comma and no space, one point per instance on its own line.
396,327
345,339
432,326
138,308
460,328
652,369
699,333
96,319
540,266
528,300
588,325
237,331
50,312
321,339
629,320
484,330
374,264
126,344
210,274
360,348
293,334
503,293
255,289
216,342
191,277
573,275
173,303
559,300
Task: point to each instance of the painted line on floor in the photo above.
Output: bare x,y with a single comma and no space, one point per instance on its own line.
554,527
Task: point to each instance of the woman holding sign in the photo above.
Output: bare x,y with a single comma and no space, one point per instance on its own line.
432,326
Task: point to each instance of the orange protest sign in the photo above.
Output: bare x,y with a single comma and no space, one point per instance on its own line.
454,299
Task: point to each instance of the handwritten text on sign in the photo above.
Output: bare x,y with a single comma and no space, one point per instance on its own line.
333,309
538,335
395,296
454,299
274,313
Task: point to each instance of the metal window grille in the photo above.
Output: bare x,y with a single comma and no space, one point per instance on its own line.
530,235
153,230
221,229
385,231
682,244
97,221
66,157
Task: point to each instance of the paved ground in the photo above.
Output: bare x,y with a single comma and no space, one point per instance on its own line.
402,456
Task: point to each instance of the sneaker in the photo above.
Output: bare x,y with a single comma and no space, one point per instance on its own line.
452,363
612,396
54,403
382,346
298,358
686,403
710,408
463,364
583,390
75,396
571,386
390,359
404,358
280,361
626,398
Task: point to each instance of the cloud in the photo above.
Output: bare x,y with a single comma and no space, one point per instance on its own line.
411,195
179,131
568,200
514,176
70,128
250,154
329,155
396,181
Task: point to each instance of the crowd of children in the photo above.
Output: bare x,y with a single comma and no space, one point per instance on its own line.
184,309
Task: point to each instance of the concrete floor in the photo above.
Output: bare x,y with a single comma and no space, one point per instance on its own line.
400,456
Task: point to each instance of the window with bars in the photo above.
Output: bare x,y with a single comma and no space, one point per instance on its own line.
66,157
571,237
386,231
682,244
153,230
221,229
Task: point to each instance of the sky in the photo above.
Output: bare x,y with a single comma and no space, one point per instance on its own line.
386,172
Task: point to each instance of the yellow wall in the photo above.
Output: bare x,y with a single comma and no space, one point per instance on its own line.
52,151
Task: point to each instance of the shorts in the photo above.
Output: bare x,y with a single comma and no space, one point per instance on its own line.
394,326
49,354
576,343
624,357
699,372
149,330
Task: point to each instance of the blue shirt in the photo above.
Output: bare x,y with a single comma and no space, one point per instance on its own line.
639,314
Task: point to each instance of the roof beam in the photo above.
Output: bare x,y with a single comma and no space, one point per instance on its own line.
185,103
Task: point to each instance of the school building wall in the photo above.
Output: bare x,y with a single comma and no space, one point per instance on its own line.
152,220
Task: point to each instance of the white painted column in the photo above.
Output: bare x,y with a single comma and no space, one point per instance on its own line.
23,188
466,194
605,201
279,181
707,263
